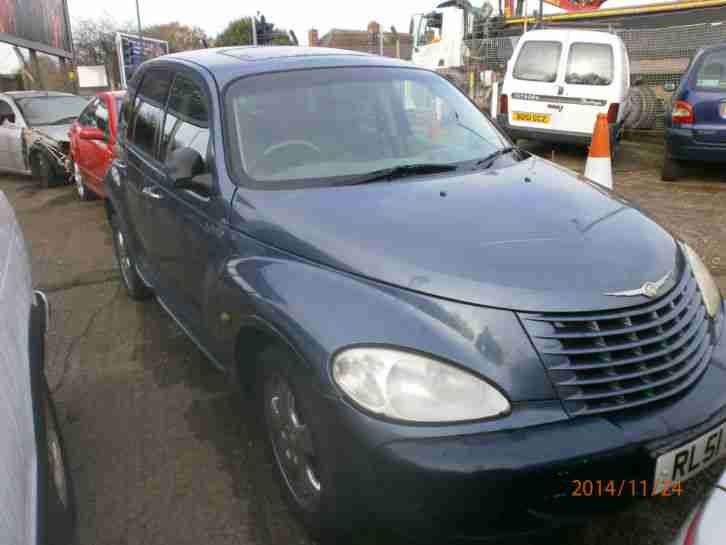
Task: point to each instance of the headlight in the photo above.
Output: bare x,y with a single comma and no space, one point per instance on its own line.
706,283
406,386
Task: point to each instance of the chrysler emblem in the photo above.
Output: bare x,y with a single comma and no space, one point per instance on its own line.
649,289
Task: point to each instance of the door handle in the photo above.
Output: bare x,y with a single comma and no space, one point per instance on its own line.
152,193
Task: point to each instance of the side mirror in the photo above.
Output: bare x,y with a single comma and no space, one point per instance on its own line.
185,167
91,133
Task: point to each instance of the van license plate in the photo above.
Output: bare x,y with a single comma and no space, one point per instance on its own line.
531,117
690,459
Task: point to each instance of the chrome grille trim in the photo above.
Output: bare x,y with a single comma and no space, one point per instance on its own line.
615,360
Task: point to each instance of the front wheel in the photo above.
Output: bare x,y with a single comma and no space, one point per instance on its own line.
130,278
61,499
81,188
305,463
43,170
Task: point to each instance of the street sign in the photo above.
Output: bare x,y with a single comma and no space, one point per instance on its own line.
132,52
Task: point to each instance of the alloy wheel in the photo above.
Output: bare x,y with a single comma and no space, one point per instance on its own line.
80,187
291,442
122,254
56,464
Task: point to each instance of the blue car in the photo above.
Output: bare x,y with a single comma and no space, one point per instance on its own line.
441,333
696,128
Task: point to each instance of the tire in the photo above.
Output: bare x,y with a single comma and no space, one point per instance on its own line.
61,498
130,278
672,169
635,106
43,170
647,120
315,499
81,188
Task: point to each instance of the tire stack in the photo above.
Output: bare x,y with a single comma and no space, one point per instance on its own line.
641,108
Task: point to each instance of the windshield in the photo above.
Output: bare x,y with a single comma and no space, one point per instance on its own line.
51,110
330,125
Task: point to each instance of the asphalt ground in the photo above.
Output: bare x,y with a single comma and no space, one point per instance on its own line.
163,451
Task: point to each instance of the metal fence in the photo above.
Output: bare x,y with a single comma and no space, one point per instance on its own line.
658,57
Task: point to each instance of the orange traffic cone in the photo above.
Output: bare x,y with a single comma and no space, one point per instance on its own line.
599,168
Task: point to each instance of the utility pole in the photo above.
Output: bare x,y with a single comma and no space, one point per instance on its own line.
141,37
254,31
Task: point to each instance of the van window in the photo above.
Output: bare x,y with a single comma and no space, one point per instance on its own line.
590,64
538,61
187,120
148,110
712,72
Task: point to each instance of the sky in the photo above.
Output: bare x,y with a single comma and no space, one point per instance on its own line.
213,15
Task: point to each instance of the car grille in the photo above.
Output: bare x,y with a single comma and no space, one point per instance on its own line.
615,360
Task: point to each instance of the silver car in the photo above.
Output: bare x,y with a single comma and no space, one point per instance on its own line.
37,503
34,129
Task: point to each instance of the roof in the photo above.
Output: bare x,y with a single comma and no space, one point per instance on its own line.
35,94
362,40
229,63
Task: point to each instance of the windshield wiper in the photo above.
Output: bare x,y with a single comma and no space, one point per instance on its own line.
489,159
401,171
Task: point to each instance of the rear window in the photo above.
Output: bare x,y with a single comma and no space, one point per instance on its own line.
590,64
712,71
538,61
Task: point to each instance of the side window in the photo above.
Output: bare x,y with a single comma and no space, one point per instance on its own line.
148,111
102,118
538,61
6,113
87,117
187,120
590,64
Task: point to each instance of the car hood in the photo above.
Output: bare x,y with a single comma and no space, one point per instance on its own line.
529,237
59,133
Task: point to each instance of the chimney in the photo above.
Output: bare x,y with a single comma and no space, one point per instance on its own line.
374,37
313,38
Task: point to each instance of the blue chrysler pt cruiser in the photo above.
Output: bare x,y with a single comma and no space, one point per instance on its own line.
443,333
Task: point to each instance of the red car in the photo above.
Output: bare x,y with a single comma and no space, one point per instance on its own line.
93,136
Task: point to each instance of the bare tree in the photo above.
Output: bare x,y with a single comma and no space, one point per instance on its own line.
95,44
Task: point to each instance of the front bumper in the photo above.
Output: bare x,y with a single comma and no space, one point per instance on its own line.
548,135
511,482
682,145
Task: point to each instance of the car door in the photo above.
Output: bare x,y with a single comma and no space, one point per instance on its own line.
533,84
11,138
102,149
188,226
144,171
84,151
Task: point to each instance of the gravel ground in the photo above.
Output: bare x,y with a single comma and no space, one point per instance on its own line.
162,449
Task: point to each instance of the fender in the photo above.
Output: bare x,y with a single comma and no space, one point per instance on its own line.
317,311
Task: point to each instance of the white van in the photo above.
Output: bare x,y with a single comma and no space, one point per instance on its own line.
559,80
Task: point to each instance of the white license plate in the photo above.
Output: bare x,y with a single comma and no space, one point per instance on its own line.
690,459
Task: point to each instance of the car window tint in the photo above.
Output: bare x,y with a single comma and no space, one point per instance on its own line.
146,125
712,71
538,61
87,117
590,64
148,110
102,117
187,120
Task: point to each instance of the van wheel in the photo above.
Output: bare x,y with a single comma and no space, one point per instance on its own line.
61,498
130,278
304,463
672,169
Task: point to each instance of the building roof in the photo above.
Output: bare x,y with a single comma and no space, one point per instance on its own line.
364,41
